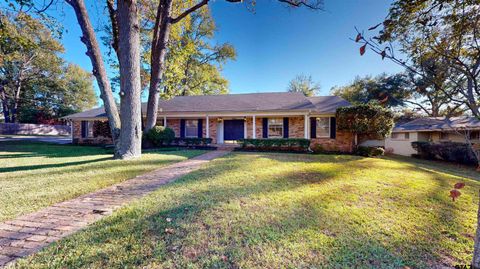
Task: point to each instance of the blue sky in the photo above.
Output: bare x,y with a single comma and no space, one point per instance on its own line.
275,43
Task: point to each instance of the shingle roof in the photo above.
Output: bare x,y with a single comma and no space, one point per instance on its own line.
250,102
439,124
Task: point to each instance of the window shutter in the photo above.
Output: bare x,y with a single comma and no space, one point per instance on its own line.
265,127
313,127
182,128
200,128
333,127
285,127
84,128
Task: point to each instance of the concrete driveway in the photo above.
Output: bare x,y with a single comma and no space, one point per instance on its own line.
33,138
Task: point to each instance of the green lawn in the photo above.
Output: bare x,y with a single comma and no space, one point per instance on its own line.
35,175
286,211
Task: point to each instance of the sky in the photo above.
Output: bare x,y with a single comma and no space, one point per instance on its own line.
275,43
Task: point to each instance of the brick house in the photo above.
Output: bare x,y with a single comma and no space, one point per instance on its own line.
230,117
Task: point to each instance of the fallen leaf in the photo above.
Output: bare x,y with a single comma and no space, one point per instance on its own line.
169,231
455,194
168,219
459,185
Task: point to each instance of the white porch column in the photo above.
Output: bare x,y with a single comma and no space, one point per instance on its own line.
245,134
254,133
306,126
207,127
164,121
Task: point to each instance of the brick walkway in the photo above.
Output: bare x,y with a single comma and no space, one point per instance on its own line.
28,234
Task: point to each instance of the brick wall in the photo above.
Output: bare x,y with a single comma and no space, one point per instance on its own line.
96,140
342,143
174,124
296,127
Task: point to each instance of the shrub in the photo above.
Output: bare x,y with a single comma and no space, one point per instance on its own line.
446,151
160,136
297,144
192,141
370,151
101,128
366,119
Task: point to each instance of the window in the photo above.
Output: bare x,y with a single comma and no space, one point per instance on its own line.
323,127
474,135
90,129
395,136
191,128
275,128
87,129
443,136
407,136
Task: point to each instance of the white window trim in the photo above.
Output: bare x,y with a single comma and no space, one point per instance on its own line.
90,129
268,127
329,127
400,138
196,132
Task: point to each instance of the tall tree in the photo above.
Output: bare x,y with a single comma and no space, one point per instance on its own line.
28,52
403,90
123,16
387,90
46,100
446,31
193,64
304,84
164,19
95,55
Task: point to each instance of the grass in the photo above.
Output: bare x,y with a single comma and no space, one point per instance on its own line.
36,175
259,210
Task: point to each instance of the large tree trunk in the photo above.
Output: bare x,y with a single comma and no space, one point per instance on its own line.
95,55
157,59
5,106
130,86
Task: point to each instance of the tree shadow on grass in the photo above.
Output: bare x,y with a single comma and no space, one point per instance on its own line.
46,166
137,235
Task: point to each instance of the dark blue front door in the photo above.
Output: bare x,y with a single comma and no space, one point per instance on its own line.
233,129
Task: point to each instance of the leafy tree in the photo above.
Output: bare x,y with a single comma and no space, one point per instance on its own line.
444,32
403,90
125,24
439,41
304,84
193,64
45,101
165,18
386,90
365,119
29,54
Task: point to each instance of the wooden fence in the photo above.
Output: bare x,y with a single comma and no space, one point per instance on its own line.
33,129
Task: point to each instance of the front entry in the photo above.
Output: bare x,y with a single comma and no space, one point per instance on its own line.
233,129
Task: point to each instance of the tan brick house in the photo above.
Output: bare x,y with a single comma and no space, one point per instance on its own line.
230,117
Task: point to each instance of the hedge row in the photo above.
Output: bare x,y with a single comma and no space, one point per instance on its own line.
447,151
276,144
192,141
163,136
369,151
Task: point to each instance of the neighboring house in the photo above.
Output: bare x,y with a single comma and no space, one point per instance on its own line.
227,118
432,129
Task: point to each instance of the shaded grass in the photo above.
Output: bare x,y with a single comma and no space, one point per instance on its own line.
35,175
264,210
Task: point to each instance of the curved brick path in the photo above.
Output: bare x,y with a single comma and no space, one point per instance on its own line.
28,234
